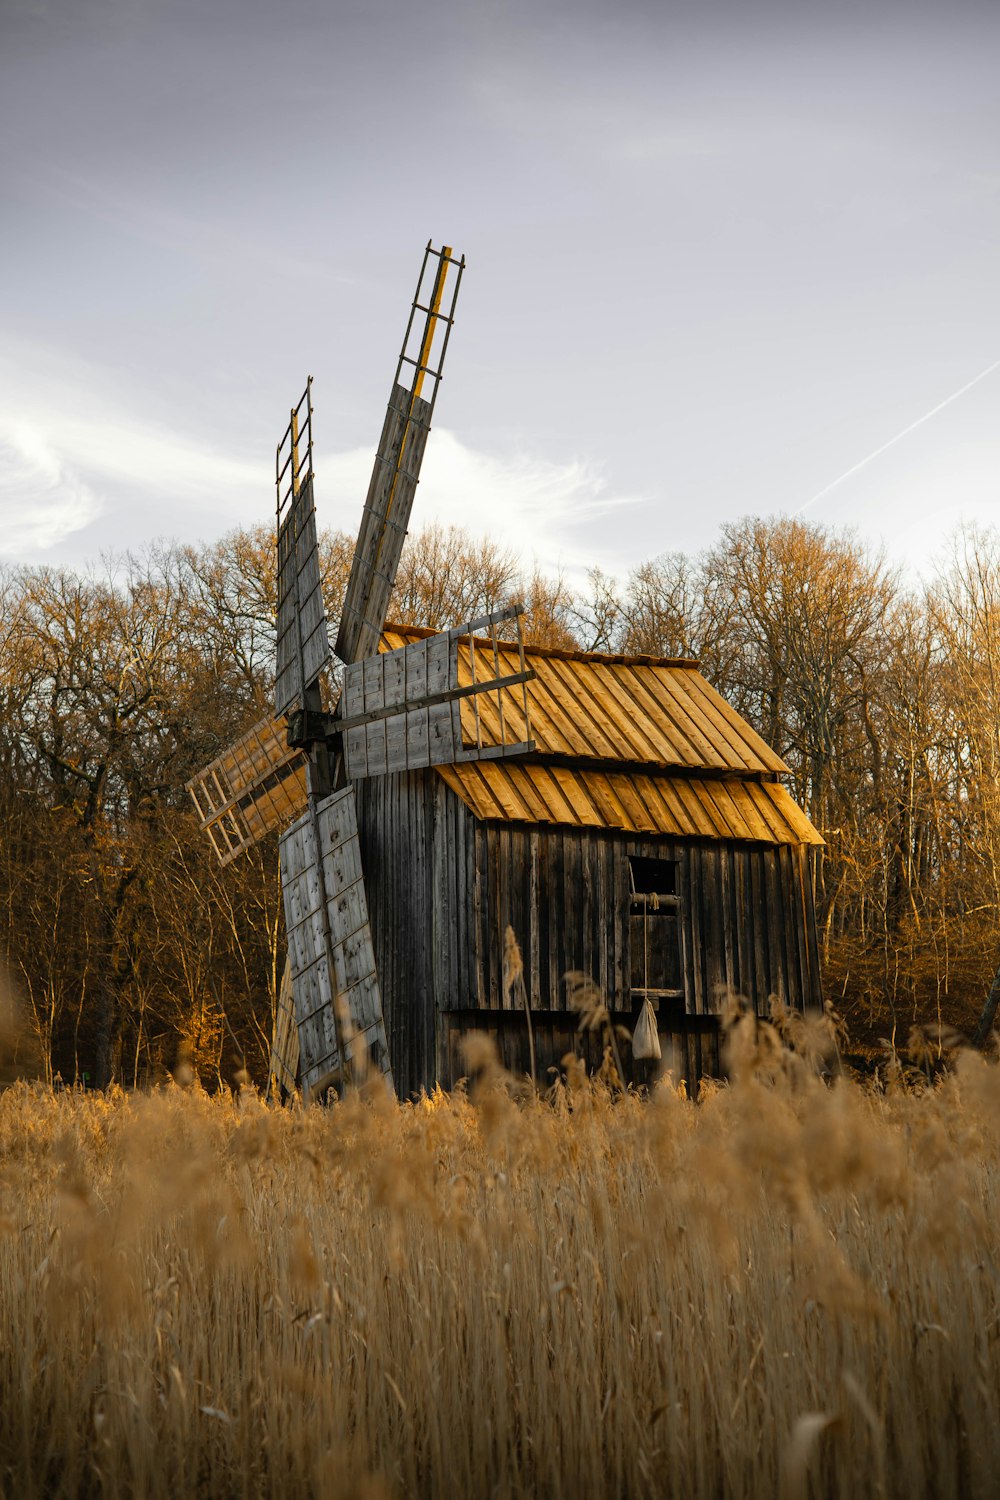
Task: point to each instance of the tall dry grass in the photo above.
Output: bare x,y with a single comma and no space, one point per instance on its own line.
791,1288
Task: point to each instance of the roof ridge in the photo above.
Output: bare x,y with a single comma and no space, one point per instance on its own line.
557,653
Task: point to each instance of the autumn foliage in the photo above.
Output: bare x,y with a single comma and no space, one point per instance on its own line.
127,944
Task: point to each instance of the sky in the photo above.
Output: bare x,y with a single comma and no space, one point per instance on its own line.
718,255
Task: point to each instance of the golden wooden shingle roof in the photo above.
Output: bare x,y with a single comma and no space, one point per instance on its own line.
640,710
619,744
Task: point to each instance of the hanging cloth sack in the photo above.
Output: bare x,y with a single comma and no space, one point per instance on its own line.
645,1038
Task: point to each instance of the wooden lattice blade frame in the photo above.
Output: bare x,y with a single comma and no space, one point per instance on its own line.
285,1040
384,525
399,456
256,786
303,645
330,946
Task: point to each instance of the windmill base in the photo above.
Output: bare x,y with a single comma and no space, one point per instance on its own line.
690,1045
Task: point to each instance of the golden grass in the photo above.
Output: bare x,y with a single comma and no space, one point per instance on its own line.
791,1288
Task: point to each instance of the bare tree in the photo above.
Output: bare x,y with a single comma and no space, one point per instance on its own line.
447,576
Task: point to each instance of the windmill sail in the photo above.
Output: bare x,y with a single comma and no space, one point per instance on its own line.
338,1008
255,786
400,453
284,1067
384,524
303,646
262,783
330,946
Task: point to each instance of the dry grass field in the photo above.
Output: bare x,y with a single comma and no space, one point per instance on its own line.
792,1288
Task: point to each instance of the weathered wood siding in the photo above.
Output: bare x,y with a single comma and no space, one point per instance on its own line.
746,915
402,855
442,888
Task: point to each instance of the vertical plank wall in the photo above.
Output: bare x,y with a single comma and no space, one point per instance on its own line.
442,888
417,848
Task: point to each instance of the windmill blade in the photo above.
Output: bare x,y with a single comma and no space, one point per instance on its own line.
399,456
384,524
284,1065
303,645
255,786
402,709
338,1005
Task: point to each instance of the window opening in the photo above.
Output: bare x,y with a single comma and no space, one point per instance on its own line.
654,930
653,876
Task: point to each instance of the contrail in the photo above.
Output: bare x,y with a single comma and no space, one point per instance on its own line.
906,430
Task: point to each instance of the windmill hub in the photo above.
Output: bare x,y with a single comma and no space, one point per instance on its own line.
308,727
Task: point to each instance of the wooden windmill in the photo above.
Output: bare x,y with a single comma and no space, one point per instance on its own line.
395,711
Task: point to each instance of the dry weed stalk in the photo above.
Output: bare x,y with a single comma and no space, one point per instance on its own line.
516,991
789,1288
584,997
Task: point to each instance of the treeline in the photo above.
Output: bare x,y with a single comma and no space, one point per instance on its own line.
130,946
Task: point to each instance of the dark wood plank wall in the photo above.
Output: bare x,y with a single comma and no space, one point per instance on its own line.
746,916
442,888
399,853
424,899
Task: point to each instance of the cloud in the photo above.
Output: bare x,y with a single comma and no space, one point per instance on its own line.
651,146
177,467
539,508
77,450
44,499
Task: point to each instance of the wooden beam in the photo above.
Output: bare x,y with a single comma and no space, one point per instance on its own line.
430,700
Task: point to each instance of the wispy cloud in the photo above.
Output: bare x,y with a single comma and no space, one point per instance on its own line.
44,500
539,508
179,467
77,451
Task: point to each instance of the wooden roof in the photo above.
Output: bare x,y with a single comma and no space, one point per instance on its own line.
642,744
639,710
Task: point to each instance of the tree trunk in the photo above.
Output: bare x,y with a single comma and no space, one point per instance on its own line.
989,1012
107,1036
